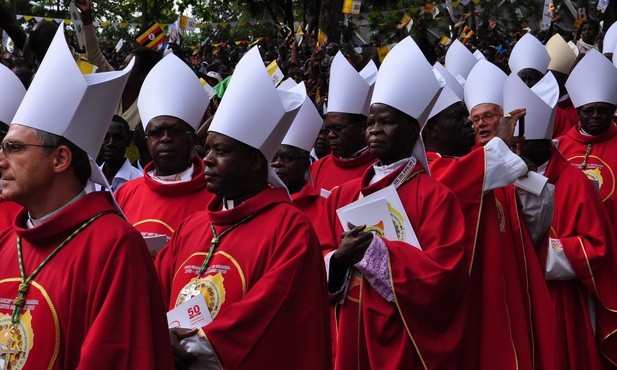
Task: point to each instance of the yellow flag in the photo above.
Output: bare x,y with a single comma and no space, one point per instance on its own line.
299,31
407,21
382,51
347,6
275,73
184,20
352,6
322,39
86,68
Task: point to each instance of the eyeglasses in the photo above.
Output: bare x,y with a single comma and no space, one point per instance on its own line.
600,111
335,129
172,132
288,158
9,148
486,117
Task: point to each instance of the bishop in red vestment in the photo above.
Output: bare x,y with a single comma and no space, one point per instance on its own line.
253,256
580,266
595,155
499,278
397,305
265,282
96,305
173,186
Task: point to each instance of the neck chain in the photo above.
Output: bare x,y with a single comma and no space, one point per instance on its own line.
405,173
584,164
216,241
24,286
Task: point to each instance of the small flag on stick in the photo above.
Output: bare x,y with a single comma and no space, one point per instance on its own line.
153,37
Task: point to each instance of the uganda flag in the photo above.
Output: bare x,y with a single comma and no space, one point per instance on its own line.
153,36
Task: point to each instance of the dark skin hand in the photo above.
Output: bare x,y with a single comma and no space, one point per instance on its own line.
353,246
182,358
85,6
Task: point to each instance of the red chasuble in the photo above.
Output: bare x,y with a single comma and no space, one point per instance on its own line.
265,285
566,117
505,279
330,171
8,211
96,305
158,208
423,328
601,163
309,202
581,227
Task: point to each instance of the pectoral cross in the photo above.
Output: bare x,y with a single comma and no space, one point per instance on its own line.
12,348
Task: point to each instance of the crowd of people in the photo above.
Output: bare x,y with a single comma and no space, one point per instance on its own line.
445,208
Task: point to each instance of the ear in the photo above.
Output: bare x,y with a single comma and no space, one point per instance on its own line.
414,129
62,159
306,164
431,131
258,161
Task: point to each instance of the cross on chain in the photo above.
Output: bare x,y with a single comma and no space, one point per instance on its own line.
7,351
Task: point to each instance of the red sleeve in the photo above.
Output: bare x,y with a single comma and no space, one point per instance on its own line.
428,278
165,265
126,315
584,230
428,284
465,177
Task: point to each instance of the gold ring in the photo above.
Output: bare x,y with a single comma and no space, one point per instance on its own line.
507,116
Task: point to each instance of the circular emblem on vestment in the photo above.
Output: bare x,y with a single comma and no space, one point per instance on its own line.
598,172
211,287
15,341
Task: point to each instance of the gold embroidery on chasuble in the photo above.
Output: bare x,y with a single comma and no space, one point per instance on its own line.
16,341
601,175
500,216
212,287
354,286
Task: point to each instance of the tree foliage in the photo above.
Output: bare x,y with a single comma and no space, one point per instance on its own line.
383,15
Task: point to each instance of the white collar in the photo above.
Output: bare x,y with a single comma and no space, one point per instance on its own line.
385,170
228,204
183,176
34,222
583,132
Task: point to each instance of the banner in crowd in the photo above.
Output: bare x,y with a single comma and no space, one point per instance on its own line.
547,14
